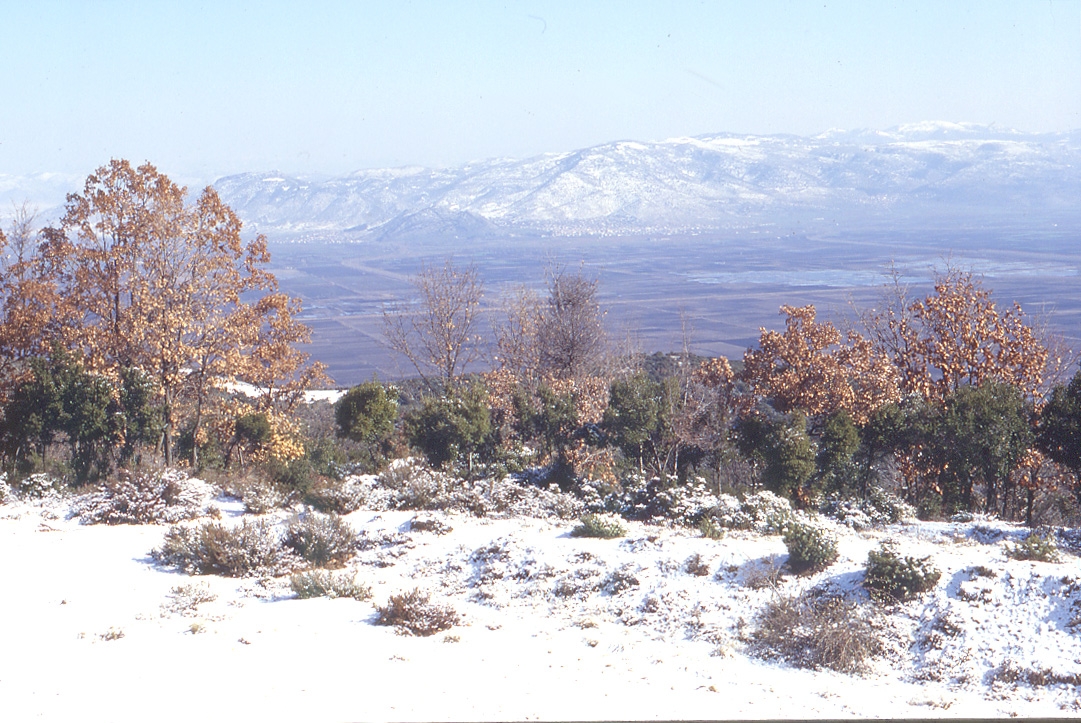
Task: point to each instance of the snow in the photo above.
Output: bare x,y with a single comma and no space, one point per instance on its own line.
553,627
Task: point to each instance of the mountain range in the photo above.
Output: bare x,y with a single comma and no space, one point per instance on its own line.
954,172
916,174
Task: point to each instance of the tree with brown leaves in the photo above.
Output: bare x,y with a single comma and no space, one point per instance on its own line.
148,281
956,336
808,367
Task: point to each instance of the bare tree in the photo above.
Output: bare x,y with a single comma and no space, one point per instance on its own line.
22,235
570,335
517,350
438,336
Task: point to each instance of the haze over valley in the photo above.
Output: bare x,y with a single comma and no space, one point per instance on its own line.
721,229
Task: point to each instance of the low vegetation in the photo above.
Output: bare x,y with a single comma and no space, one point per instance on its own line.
1041,548
815,630
890,577
325,583
810,548
253,547
414,613
597,525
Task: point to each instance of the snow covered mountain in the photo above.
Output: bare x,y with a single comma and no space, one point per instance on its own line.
684,185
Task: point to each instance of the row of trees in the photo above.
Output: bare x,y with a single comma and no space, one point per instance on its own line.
126,328
139,291
947,398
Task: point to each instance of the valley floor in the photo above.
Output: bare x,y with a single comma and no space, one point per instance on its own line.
552,627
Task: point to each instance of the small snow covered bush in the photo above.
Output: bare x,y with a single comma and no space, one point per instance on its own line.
261,495
878,509
641,498
817,631
1041,548
185,600
145,496
763,512
888,577
811,548
211,548
598,525
37,486
341,496
323,583
321,540
414,613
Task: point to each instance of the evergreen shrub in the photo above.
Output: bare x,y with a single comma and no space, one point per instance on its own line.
888,577
810,548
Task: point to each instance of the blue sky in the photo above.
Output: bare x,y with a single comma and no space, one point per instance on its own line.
203,89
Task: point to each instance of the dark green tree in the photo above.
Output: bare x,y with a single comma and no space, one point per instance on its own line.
789,456
142,416
1059,428
449,428
980,437
837,445
638,421
366,415
550,419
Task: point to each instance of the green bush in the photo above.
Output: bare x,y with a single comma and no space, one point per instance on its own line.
366,415
888,577
710,529
211,548
603,526
321,540
414,613
322,583
447,429
1035,547
810,548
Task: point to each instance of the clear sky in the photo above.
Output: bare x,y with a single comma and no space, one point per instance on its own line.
203,89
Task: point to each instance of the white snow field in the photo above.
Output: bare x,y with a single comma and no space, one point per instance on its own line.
552,627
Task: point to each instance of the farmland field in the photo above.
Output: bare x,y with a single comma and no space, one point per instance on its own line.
726,286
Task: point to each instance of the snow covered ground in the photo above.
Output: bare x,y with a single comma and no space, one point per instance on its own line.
552,627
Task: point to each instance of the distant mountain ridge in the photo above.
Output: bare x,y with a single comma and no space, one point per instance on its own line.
919,171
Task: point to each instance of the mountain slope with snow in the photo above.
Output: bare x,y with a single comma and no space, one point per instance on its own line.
684,185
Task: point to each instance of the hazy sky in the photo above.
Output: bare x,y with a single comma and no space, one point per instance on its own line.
207,88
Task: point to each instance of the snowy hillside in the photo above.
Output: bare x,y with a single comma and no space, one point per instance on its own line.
683,185
659,624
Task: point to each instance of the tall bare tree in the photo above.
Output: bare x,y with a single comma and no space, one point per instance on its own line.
439,334
570,334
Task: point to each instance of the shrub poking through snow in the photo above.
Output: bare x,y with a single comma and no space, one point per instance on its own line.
598,525
1041,548
810,548
888,577
321,540
145,496
414,613
185,600
763,512
323,583
695,565
817,631
710,529
37,486
878,509
251,548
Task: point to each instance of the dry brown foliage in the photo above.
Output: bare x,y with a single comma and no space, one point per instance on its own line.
811,367
955,336
134,276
